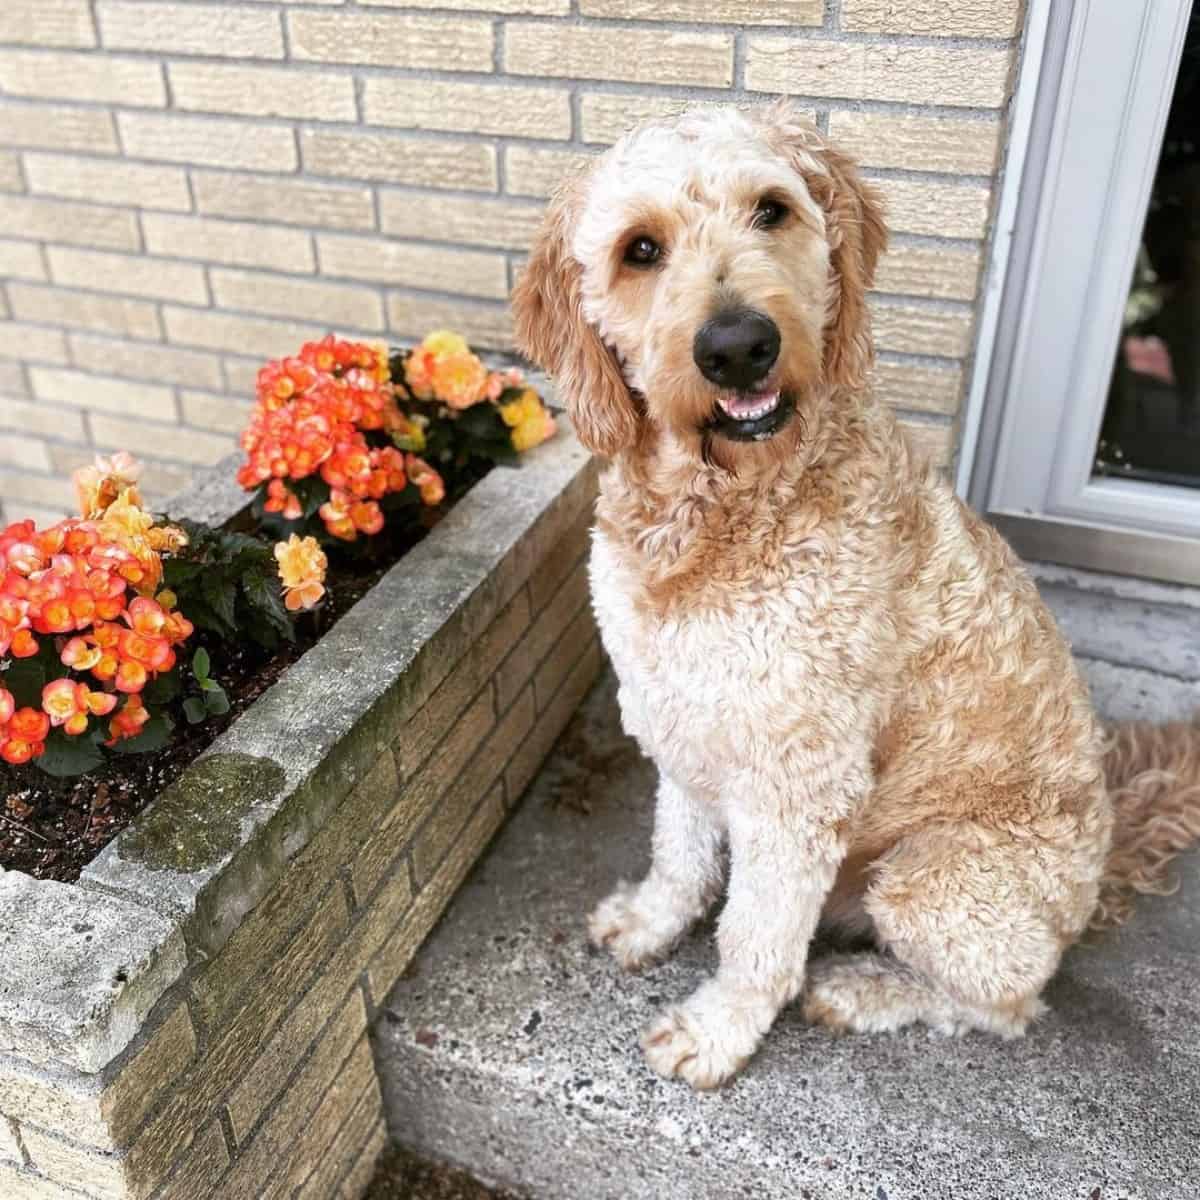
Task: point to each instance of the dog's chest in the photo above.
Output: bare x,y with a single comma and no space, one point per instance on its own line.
704,692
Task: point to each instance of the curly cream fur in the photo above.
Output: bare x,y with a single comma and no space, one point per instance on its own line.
842,674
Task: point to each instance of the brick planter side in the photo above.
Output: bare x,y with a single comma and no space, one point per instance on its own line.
247,925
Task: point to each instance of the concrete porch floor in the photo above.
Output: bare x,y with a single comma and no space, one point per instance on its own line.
511,1049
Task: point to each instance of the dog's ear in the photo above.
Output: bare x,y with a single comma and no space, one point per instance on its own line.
857,234
552,331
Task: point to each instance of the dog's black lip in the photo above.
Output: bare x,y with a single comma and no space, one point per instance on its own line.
759,429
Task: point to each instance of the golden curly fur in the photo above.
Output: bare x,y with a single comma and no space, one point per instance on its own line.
841,672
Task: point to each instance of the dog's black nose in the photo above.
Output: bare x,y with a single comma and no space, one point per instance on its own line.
737,348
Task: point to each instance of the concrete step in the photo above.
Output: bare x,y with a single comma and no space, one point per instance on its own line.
511,1049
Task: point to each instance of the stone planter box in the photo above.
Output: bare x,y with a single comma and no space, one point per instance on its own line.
192,1018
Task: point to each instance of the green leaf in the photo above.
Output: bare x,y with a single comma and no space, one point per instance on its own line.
262,592
216,701
201,663
69,756
163,688
194,710
156,733
221,594
25,678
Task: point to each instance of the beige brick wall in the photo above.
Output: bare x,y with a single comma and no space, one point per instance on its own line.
254,1077
187,187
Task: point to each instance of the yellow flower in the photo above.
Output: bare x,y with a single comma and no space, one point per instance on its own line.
524,408
459,380
124,523
443,342
97,486
410,433
533,432
302,565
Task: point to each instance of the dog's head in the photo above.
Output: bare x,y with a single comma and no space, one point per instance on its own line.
707,276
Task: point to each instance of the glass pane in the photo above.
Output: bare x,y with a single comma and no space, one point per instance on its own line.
1151,427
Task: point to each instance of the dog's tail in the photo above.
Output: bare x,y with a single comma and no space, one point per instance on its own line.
1153,776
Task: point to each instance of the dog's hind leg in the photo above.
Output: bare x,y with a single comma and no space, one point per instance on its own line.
973,924
641,922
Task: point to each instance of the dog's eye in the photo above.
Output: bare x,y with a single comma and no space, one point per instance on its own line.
769,212
642,252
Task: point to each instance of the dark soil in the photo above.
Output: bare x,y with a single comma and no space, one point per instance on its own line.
52,828
402,1176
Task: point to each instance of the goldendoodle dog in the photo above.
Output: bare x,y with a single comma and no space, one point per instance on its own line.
841,673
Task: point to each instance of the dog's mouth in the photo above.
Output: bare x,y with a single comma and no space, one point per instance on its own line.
752,416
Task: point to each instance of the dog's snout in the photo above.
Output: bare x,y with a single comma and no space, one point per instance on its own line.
736,348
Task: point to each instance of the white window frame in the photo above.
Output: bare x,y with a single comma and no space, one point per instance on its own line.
1090,111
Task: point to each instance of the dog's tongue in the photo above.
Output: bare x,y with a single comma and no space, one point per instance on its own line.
746,406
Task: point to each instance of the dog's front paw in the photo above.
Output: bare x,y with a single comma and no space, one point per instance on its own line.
706,1040
633,928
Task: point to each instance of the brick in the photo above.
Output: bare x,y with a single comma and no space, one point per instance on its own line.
419,791
398,950
208,141
57,127
84,310
929,441
529,652
385,40
479,221
278,1137
607,115
360,1175
484,326
37,418
190,28
391,159
218,413
268,928
203,449
263,91
236,1043
468,107
545,8
12,379
471,272
632,55
912,329
159,481
441,711
560,560
74,1166
157,278
196,1176
964,18
532,171
910,385
100,78
293,202
160,364
21,260
284,296
973,78
18,450
350,1136
918,143
229,331
76,224
32,343
348,1112
102,395
114,182
723,12
47,23
551,723
566,653
937,209
230,243
940,272
11,179
43,490
241,375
